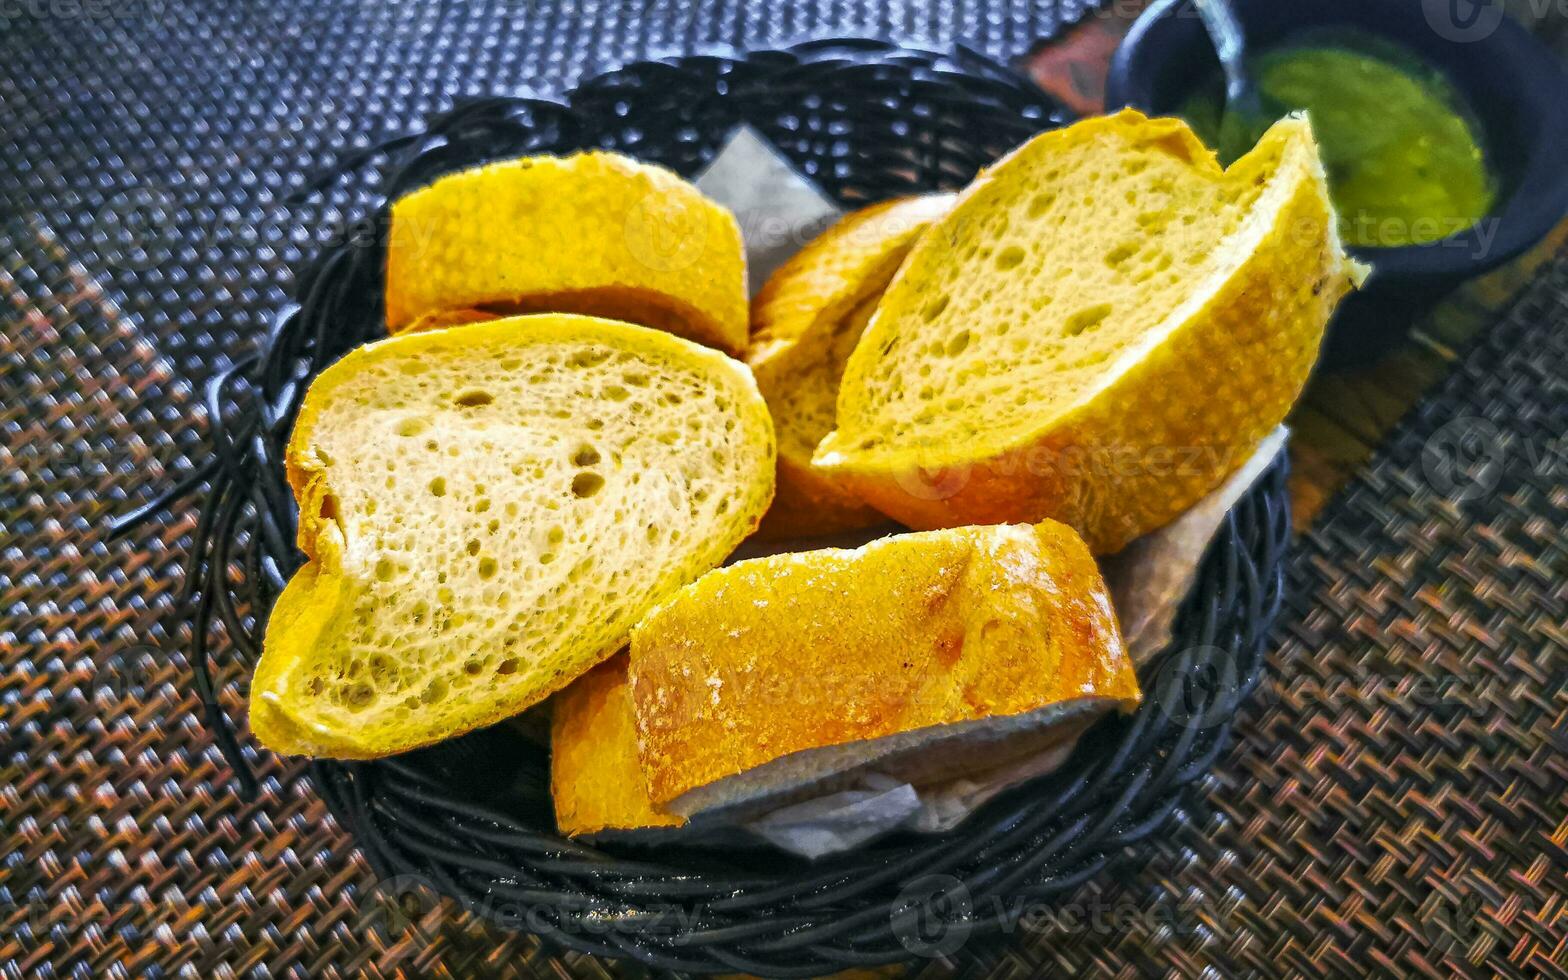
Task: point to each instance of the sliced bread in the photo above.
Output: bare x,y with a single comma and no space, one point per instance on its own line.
1101,329
923,656
596,778
487,511
593,233
805,321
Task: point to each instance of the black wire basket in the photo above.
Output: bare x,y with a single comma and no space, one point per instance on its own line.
867,120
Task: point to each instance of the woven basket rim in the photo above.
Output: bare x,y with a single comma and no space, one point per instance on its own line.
761,915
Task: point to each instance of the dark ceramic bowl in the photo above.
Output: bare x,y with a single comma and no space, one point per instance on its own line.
1514,84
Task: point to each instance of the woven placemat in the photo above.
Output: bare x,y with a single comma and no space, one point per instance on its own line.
1396,802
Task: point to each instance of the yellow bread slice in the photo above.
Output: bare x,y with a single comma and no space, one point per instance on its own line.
592,233
596,779
924,656
1099,331
600,790
487,511
805,321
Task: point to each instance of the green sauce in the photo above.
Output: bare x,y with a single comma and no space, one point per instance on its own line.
1403,161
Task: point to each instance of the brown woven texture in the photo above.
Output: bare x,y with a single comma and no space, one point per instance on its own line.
1398,800
122,852
1395,803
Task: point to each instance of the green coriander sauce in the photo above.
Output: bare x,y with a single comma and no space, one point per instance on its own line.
1403,161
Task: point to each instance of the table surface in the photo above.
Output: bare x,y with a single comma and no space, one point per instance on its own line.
1338,837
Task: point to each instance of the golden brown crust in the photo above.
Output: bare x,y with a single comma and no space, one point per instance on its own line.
808,299
442,319
834,272
1169,428
547,234
643,307
596,779
318,599
780,655
805,506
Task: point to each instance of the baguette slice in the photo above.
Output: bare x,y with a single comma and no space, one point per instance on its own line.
594,233
596,778
486,511
1100,330
925,656
805,321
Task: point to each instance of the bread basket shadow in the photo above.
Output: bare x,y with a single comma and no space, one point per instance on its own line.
867,120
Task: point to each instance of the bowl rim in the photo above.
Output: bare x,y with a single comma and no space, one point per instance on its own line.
1535,204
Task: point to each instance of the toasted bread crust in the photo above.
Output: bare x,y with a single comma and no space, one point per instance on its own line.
852,260
596,778
793,317
314,602
445,319
1166,427
550,234
780,655
301,609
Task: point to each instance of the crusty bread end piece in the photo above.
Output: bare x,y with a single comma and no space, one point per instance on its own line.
805,321
924,655
596,778
487,510
1100,330
592,233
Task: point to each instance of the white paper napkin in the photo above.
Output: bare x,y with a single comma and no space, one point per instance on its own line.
779,211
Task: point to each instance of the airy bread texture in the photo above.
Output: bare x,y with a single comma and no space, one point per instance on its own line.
1100,330
805,321
925,655
592,233
487,511
596,778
